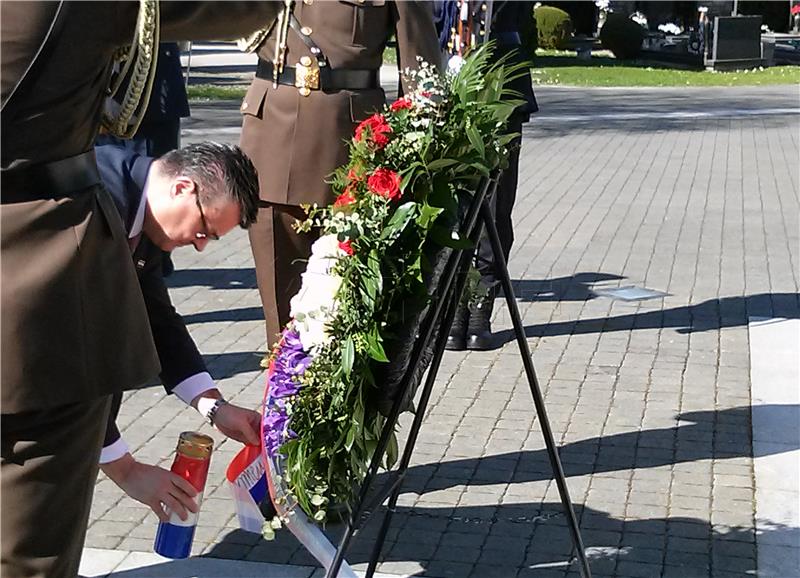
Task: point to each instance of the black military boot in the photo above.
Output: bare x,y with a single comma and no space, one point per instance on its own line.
479,328
457,338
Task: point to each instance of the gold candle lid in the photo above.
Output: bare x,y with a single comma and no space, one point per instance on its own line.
195,445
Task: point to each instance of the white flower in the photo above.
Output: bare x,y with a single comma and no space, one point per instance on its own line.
670,28
455,63
639,18
314,305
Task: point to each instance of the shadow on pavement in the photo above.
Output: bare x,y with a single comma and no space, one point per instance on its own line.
532,538
706,316
700,435
222,278
496,541
224,365
572,288
241,314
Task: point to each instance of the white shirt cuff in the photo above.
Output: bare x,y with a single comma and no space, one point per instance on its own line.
114,451
193,386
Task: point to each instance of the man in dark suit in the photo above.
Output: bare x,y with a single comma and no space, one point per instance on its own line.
160,130
296,123
74,326
187,197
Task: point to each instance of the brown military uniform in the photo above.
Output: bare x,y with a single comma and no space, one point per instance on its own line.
74,327
296,141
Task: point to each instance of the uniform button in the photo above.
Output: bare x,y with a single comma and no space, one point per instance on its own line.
244,106
308,2
306,31
305,60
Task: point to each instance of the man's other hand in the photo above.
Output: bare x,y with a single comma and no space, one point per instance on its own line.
153,486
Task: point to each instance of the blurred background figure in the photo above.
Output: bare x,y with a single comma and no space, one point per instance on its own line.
470,23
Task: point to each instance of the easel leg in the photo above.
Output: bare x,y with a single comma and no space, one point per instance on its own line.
501,270
433,370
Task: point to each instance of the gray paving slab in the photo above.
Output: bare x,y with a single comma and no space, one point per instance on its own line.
650,401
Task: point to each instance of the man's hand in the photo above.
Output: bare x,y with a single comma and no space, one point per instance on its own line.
152,486
238,423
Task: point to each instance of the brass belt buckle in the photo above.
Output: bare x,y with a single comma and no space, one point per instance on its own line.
306,78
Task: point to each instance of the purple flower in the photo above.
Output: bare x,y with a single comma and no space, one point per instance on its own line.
283,384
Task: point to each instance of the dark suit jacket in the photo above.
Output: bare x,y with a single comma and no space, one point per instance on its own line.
124,174
74,326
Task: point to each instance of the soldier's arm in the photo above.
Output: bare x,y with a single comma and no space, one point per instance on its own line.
215,20
416,34
180,20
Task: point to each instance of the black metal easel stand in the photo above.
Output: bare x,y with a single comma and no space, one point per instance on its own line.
449,290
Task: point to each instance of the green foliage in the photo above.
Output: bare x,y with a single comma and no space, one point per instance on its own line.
553,26
622,36
441,139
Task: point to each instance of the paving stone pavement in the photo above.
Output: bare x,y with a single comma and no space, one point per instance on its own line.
649,400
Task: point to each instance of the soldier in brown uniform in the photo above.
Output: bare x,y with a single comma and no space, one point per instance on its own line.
74,327
296,122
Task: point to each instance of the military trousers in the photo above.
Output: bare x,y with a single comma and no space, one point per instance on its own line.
48,471
502,204
280,255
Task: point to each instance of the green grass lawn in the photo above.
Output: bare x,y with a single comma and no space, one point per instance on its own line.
563,68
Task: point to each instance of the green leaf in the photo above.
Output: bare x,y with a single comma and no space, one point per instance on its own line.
348,441
427,215
439,164
348,355
391,451
374,265
476,140
374,346
399,220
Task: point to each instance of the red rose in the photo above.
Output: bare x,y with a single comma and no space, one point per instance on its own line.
346,198
378,130
385,183
346,246
401,104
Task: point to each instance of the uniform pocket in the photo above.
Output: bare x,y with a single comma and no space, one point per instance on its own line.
255,99
370,18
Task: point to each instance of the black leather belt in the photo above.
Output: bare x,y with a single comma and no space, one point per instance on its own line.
49,180
329,79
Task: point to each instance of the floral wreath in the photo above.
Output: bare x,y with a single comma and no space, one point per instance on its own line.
397,197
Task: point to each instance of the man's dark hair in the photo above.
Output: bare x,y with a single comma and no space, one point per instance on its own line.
209,164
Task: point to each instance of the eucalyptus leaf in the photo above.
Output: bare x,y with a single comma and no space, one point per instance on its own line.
348,355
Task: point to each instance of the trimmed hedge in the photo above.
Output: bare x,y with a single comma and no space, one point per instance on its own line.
622,36
554,27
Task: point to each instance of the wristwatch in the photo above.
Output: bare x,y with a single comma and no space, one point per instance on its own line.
209,407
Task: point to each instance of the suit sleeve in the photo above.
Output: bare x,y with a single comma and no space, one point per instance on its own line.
176,349
416,34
